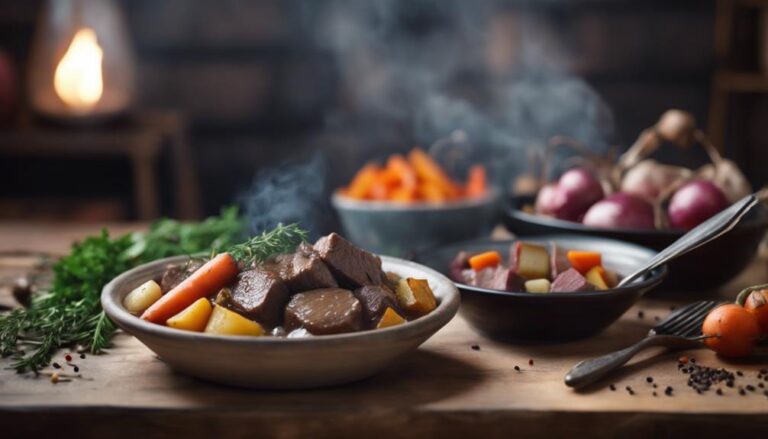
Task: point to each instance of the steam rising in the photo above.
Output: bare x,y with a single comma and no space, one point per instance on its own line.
430,67
292,193
451,74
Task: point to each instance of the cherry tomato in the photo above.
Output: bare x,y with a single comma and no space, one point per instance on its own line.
757,304
732,330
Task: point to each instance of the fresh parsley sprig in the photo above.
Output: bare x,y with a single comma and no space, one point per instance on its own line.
70,313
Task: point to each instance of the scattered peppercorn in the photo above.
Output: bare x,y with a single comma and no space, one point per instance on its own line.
654,385
739,373
719,391
750,387
475,347
56,365
530,362
629,390
82,356
656,318
517,368
693,360
649,379
76,369
612,387
760,385
742,392
668,391
654,394
640,314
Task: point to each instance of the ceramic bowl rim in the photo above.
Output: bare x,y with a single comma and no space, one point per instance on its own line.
446,309
343,202
512,210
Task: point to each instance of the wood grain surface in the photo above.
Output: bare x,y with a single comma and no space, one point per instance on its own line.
445,389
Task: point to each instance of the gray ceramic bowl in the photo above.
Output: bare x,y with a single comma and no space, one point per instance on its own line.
398,229
280,363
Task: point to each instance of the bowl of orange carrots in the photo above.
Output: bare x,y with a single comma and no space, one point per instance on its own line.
409,203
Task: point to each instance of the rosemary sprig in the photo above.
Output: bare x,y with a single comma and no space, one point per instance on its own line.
281,239
70,312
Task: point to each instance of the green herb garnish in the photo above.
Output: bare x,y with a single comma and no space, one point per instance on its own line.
70,312
281,239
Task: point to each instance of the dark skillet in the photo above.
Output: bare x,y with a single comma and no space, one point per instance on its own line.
531,317
705,268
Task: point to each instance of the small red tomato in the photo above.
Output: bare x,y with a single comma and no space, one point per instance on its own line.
731,329
757,304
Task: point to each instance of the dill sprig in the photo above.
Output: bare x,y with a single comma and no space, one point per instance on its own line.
281,239
70,314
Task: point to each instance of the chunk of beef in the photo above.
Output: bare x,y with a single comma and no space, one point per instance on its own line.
375,299
260,295
175,274
558,260
353,267
303,271
496,278
570,281
457,265
324,311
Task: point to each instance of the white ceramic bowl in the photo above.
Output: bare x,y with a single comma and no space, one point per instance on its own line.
281,363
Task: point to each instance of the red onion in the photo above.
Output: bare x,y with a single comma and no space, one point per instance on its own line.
577,190
620,211
694,203
648,178
546,199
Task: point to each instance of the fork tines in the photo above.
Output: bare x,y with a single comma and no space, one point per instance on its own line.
686,321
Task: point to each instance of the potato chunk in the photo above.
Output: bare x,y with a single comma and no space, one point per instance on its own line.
537,286
226,322
530,260
390,318
597,277
192,318
142,297
415,296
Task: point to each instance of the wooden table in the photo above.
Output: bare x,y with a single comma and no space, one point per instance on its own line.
445,389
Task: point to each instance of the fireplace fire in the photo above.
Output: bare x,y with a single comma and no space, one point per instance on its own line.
82,64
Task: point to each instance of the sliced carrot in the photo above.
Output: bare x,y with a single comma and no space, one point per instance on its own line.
429,191
363,181
429,171
403,194
206,281
476,183
398,165
583,261
485,260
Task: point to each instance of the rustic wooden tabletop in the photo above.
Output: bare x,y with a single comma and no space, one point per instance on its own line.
447,388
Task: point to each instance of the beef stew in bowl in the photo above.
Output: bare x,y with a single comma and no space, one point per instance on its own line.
289,355
532,317
331,287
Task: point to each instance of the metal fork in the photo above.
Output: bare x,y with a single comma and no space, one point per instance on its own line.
680,330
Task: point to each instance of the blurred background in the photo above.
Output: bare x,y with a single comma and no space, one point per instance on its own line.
205,103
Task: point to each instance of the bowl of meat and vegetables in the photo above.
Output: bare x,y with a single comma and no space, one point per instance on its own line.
278,312
553,288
